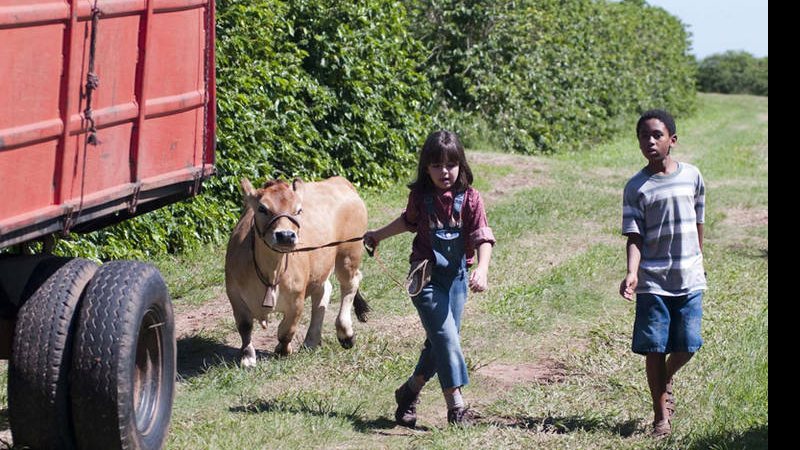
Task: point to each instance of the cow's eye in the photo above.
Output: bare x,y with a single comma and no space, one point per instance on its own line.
263,209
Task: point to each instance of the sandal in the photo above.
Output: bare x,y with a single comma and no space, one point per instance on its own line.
463,416
661,429
671,401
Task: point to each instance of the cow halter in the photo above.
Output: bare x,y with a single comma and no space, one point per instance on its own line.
269,295
271,288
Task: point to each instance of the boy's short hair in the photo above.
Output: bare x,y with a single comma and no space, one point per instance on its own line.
660,114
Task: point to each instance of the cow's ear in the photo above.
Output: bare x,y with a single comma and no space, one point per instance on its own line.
250,198
247,187
298,186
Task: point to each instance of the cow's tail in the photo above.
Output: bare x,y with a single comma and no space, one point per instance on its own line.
361,307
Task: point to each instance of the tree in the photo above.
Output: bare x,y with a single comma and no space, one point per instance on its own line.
733,72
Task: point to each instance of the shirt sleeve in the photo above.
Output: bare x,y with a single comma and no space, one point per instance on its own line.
411,214
700,199
478,226
632,213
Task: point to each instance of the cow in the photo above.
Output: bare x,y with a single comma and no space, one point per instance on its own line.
288,241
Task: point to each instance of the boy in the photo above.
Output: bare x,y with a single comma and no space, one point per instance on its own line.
662,216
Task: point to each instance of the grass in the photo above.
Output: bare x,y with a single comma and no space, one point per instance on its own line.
552,307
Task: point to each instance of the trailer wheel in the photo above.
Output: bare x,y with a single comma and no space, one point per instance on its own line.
124,367
38,381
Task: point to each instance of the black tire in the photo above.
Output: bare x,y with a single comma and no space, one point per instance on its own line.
38,372
124,367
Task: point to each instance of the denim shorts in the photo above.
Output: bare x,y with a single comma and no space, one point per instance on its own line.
666,324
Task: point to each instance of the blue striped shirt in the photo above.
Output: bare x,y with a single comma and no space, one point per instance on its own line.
665,211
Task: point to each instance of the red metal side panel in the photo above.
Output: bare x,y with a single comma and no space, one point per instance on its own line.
173,128
113,104
30,124
153,110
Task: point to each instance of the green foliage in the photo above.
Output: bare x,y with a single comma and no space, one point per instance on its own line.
314,88
317,88
550,75
734,72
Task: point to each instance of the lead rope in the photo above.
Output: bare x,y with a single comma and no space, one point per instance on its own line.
372,251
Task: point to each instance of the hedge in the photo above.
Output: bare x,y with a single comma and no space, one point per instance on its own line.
314,88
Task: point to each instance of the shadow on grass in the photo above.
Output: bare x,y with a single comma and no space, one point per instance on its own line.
359,424
197,354
755,438
560,425
5,427
569,424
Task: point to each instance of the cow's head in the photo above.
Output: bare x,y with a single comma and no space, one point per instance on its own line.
276,207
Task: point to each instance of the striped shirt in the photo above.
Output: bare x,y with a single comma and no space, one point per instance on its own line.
665,211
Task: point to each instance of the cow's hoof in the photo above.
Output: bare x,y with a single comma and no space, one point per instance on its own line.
247,356
348,341
283,349
248,361
308,345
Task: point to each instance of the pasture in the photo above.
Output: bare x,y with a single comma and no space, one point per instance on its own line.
547,345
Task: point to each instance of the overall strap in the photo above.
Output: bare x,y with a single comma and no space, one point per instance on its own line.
455,218
433,222
458,202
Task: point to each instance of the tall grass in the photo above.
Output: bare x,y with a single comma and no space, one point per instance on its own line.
552,302
552,305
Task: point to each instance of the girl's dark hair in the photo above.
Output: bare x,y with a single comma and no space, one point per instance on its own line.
659,114
440,147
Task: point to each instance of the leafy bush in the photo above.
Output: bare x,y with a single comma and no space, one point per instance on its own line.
734,72
549,75
316,88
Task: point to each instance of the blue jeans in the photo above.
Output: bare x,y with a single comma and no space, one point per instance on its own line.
666,324
440,305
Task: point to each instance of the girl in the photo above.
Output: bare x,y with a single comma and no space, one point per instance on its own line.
448,217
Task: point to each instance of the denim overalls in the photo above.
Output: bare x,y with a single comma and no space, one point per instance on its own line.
441,302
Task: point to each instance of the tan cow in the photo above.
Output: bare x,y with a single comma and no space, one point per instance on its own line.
269,269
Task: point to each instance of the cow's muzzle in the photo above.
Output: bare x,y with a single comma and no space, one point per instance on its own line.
285,237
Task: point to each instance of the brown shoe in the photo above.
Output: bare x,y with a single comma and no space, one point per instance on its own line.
462,416
406,412
661,429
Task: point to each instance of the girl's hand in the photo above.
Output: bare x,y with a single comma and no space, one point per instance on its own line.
628,286
478,280
371,240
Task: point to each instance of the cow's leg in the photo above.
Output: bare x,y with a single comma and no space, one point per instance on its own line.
288,326
319,304
244,323
349,278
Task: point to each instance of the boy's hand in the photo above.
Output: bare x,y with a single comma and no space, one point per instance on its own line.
478,280
628,286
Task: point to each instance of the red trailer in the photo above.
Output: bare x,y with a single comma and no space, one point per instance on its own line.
106,112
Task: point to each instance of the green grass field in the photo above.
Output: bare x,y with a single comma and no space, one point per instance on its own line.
547,344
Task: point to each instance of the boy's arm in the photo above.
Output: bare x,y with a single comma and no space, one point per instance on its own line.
700,235
479,278
634,253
